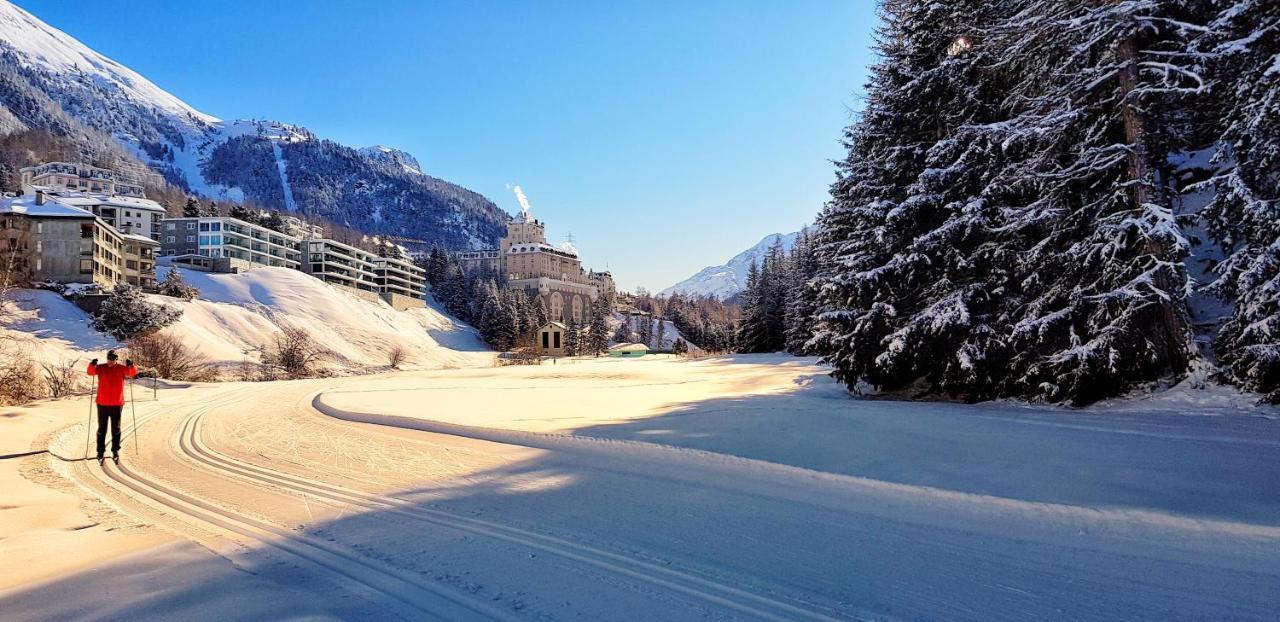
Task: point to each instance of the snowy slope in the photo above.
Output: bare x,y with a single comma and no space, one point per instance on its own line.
58,53
239,313
398,160
725,280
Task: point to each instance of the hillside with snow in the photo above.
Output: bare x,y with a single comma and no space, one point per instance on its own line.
728,279
51,81
237,314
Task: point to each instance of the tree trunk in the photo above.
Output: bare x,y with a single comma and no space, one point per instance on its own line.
1142,179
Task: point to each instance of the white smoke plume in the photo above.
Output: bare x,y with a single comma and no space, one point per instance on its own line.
524,200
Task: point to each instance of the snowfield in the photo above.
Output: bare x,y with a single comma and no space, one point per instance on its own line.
237,314
731,488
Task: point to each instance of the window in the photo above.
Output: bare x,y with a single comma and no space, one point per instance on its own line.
215,226
168,226
557,339
546,339
191,226
170,239
204,226
191,238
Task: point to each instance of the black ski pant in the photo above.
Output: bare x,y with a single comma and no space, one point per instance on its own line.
111,413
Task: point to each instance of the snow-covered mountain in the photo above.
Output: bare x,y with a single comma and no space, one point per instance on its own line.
400,160
726,280
51,81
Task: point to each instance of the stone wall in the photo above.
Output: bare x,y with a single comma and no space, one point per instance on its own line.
400,302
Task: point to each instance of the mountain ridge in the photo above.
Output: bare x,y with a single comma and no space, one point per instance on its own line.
726,280
51,81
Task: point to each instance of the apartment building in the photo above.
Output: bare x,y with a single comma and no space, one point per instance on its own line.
399,276
339,263
243,245
47,240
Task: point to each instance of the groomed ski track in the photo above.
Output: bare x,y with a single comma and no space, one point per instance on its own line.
200,476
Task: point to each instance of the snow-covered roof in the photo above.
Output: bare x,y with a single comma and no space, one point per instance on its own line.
554,324
535,247
138,238
84,199
52,208
628,347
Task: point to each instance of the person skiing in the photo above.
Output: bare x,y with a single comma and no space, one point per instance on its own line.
111,400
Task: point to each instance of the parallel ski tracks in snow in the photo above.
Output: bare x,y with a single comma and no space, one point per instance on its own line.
417,592
426,600
725,596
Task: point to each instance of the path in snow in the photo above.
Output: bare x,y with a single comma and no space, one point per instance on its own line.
359,520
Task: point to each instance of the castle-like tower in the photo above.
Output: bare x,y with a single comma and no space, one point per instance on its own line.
524,259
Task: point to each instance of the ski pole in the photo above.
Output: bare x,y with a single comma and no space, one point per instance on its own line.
93,390
133,411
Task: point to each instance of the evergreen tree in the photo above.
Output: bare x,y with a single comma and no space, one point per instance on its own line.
437,267
764,304
210,210
598,333
572,339
679,348
801,303
191,209
1003,223
1088,195
273,221
242,213
177,287
660,335
126,313
644,329
1244,215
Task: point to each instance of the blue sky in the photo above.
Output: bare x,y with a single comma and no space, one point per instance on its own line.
665,136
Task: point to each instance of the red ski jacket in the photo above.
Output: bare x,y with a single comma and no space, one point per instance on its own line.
111,382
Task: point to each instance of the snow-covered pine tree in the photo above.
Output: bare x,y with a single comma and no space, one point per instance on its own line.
1085,196
900,297
598,333
191,209
801,302
177,287
1244,216
645,329
572,339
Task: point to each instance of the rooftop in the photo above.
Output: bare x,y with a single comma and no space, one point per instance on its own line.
52,208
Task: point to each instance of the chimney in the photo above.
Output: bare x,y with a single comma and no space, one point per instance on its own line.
40,197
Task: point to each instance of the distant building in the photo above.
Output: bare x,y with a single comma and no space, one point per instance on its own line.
53,241
339,263
625,350
525,260
550,339
73,177
242,245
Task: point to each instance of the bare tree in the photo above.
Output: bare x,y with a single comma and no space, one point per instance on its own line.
293,352
168,357
61,377
396,355
19,380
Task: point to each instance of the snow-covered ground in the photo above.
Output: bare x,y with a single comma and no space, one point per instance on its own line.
237,314
734,488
